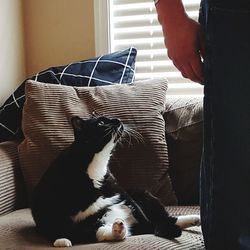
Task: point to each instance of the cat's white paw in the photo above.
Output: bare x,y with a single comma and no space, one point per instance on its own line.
196,220
119,229
186,221
62,243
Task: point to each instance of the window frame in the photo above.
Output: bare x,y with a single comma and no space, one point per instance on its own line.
102,31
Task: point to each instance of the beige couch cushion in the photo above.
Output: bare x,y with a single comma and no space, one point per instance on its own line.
12,192
17,232
47,130
184,125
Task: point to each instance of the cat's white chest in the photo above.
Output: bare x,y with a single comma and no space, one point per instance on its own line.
97,168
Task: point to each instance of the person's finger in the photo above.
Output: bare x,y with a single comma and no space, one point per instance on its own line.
190,69
196,65
186,70
180,68
190,72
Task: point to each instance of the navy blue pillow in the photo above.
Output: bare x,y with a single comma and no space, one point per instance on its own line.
115,68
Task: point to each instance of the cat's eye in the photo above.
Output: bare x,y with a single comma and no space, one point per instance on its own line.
101,123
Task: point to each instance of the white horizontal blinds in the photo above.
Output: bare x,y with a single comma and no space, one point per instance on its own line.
134,23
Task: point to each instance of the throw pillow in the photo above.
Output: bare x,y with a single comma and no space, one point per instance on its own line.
115,68
47,129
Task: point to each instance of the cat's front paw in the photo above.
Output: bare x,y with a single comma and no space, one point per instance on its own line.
62,243
119,229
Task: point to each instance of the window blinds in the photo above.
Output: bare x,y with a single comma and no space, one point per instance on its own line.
134,23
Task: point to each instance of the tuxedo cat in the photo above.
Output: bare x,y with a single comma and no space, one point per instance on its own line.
79,201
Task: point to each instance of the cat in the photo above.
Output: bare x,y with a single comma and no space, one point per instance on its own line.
79,201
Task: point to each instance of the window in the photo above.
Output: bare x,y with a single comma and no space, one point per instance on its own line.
134,23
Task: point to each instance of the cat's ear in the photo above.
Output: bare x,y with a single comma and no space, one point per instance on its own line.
77,123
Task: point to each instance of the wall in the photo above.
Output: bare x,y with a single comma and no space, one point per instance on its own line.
12,63
37,34
57,32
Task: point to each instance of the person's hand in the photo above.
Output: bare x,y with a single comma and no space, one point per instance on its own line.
184,43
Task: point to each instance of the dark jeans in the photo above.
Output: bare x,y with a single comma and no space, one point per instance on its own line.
225,174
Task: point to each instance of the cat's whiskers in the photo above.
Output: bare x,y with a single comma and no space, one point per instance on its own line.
108,133
127,135
134,134
120,133
129,138
109,127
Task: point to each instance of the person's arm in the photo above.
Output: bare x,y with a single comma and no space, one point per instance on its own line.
182,38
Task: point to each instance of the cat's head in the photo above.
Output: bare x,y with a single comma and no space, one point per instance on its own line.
96,132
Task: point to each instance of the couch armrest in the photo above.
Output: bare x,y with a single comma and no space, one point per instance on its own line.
11,184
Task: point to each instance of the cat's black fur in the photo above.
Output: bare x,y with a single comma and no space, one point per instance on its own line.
66,188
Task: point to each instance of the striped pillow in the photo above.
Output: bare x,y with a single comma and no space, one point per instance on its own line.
47,130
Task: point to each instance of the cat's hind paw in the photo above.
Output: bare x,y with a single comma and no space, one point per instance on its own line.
119,229
62,243
185,221
196,220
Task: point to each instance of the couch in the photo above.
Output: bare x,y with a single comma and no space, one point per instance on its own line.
183,117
